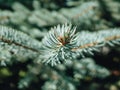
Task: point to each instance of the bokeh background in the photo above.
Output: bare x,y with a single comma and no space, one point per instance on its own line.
35,18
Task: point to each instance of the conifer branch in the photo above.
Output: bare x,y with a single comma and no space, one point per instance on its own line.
63,43
87,42
60,44
17,44
10,36
85,9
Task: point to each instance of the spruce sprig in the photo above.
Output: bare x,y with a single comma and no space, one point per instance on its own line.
63,43
60,44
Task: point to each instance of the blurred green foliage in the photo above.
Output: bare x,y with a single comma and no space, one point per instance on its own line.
35,18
